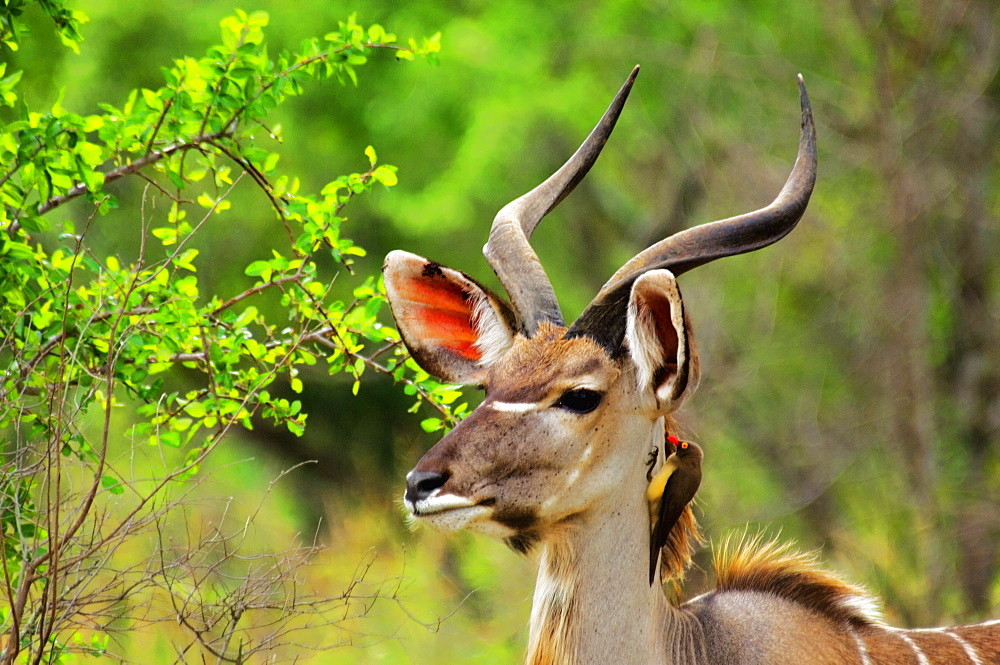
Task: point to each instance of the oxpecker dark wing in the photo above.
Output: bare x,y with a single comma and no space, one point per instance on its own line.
683,477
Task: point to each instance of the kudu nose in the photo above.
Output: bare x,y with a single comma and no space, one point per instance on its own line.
421,484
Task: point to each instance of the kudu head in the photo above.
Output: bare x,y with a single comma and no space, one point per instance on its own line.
570,414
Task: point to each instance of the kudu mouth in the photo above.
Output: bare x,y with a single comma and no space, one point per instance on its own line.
450,512
425,499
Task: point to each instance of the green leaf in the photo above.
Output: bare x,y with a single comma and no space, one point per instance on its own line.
185,260
172,439
431,424
271,162
152,100
257,268
112,484
34,223
386,175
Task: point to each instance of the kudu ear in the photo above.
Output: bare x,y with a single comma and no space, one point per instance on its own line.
658,335
453,327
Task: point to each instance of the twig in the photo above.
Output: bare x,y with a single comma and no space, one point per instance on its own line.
141,163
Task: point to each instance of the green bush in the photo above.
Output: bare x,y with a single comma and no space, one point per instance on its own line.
84,334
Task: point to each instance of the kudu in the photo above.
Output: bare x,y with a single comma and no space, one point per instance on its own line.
558,454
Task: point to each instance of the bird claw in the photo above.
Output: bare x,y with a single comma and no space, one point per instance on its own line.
654,454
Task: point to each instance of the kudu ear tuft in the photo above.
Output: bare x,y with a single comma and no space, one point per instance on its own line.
659,340
453,327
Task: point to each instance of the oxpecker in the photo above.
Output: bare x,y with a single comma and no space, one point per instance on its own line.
669,492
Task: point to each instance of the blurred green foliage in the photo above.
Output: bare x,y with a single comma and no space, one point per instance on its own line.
851,373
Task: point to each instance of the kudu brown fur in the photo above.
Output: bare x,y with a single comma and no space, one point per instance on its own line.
557,456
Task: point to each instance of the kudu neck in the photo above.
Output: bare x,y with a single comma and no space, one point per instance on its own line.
593,602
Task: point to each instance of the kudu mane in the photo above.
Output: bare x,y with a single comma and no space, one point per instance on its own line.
760,565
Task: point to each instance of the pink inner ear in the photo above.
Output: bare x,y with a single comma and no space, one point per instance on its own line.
467,350
665,331
451,330
438,294
441,311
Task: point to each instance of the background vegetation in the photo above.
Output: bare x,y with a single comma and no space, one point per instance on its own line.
851,391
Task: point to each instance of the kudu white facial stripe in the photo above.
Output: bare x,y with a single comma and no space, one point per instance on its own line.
514,407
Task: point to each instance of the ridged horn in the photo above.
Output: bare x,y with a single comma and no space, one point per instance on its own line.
604,319
508,251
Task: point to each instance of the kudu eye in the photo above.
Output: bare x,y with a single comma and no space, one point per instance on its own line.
581,400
